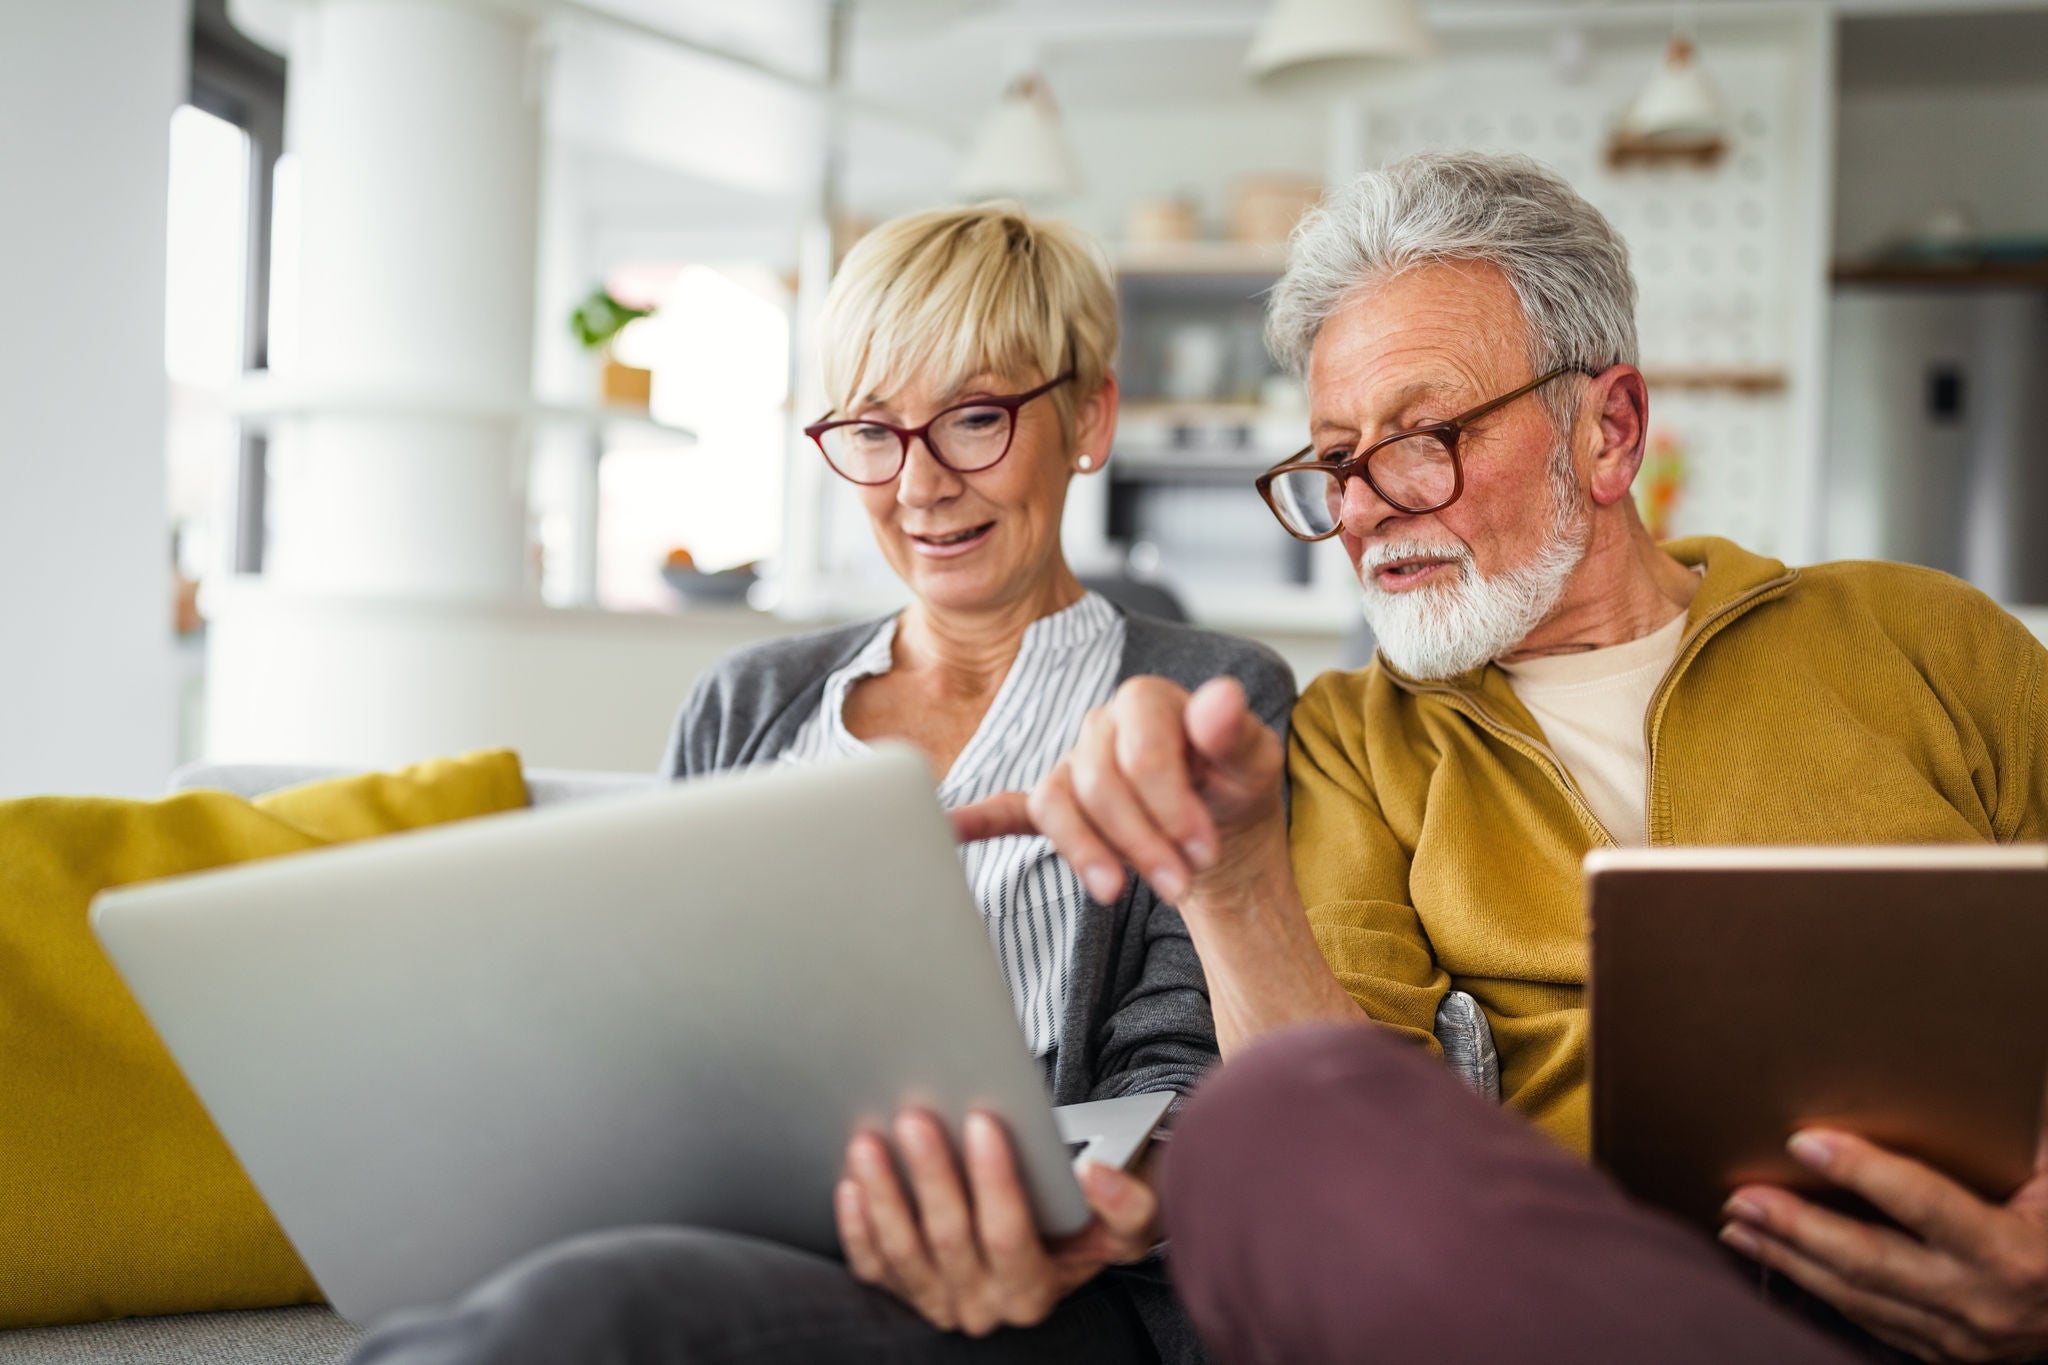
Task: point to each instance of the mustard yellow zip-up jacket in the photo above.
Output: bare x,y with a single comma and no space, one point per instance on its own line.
1437,838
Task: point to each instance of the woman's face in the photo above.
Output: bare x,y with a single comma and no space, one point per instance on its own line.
989,539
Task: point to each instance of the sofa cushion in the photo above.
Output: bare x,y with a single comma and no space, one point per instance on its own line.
117,1195
544,786
261,1336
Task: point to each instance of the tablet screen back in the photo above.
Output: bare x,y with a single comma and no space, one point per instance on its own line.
1740,994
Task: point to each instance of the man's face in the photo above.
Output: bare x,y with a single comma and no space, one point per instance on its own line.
1447,590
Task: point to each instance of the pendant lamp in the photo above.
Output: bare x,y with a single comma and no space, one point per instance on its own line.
1679,101
1677,117
1312,43
1022,151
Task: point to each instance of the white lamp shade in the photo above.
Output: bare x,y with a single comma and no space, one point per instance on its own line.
1324,41
1022,152
1679,101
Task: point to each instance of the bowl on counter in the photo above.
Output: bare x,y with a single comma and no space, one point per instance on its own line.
694,585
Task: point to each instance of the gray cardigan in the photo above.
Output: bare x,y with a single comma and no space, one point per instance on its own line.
1137,1015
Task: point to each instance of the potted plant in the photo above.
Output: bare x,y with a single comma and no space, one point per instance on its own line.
596,322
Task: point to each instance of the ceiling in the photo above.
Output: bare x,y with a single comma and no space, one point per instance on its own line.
927,70
942,59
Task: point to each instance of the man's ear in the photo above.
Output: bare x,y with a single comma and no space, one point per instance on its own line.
1616,409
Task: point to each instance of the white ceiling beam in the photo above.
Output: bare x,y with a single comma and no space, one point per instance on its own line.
1150,20
839,101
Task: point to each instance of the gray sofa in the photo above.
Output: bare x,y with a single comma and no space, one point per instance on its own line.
315,1335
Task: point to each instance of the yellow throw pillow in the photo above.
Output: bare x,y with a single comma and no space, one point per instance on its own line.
117,1195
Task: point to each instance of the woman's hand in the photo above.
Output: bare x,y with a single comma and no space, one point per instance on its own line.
1965,1281
968,1256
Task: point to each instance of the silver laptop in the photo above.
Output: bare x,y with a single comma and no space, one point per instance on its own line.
436,1052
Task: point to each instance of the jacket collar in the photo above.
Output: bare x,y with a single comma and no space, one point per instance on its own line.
1731,575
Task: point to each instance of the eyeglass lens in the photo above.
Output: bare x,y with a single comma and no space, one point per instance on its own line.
1415,473
966,439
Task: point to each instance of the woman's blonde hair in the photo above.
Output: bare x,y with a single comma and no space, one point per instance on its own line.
952,293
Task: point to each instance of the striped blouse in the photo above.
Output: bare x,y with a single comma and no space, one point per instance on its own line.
1030,900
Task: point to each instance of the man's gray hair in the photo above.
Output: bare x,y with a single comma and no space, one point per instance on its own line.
1566,263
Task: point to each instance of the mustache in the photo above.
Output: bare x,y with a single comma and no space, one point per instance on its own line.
1390,551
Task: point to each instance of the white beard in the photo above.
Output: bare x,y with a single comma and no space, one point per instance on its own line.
1464,619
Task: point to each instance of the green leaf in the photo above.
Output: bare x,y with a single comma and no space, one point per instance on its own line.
600,317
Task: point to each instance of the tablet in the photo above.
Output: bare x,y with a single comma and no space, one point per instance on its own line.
438,1051
1740,994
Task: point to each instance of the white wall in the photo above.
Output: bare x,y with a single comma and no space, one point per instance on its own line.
382,683
1907,154
86,93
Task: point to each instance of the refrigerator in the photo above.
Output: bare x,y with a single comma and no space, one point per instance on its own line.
1937,447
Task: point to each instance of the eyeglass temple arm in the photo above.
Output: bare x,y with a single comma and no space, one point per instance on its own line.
1495,405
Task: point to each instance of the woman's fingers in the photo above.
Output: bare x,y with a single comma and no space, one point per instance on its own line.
1022,1278
1005,813
857,1236
1125,1205
911,1273
967,1253
942,1207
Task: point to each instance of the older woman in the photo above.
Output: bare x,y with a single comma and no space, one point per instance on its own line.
967,353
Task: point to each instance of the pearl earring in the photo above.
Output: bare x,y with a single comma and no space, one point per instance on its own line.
1087,462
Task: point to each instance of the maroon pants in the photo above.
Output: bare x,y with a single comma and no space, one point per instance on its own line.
1335,1195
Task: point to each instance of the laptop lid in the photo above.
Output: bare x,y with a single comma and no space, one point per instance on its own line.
438,1051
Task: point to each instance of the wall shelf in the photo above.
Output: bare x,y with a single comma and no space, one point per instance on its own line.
1170,413
1200,258
1759,380
1125,469
1703,153
1961,274
262,399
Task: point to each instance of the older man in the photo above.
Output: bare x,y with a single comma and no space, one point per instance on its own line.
1550,680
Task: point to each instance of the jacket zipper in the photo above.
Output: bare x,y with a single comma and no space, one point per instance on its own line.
1688,650
1527,745
1545,757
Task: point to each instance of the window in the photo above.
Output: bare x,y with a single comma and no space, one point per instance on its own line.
205,327
719,350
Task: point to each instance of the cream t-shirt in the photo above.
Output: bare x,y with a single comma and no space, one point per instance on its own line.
1591,707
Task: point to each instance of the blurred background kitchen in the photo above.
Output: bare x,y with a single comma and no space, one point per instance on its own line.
383,378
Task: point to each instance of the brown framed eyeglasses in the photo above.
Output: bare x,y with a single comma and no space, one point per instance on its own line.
966,438
1413,471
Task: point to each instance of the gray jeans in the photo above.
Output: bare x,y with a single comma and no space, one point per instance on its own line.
667,1296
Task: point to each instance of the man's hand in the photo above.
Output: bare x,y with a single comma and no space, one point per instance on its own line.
968,1257
1966,1281
1186,788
